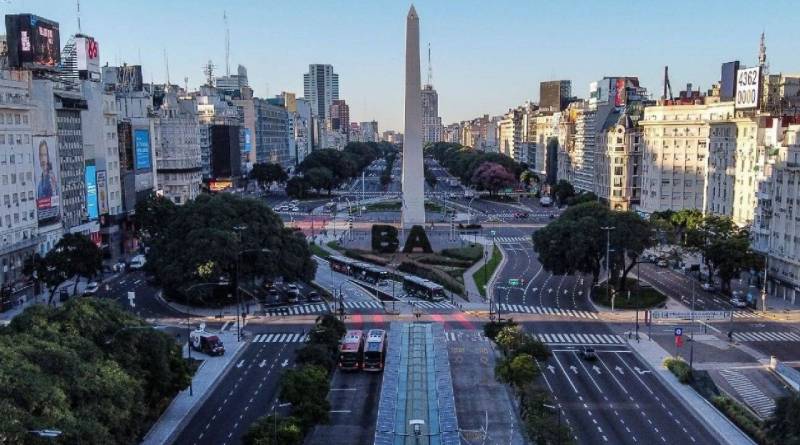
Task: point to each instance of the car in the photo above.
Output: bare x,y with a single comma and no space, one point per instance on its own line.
313,297
588,353
295,209
382,283
661,263
92,288
521,215
119,266
292,293
738,302
708,287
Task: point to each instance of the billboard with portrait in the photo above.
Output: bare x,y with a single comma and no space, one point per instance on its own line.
33,42
48,190
141,148
102,192
248,144
90,174
88,54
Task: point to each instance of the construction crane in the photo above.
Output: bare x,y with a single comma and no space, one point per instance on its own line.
667,86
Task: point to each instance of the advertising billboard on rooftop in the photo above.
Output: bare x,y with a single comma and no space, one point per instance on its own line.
87,51
33,42
748,82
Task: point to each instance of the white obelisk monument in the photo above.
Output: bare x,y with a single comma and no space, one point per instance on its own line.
413,211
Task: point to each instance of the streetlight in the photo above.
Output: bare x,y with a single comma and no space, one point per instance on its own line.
555,409
236,286
608,230
275,418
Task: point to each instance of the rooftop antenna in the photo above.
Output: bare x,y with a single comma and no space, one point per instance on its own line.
430,68
762,55
166,65
78,4
208,70
186,84
227,44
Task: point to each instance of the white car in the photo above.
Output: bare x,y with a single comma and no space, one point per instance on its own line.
92,288
738,302
708,287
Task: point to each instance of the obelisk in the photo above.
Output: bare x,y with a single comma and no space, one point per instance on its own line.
413,211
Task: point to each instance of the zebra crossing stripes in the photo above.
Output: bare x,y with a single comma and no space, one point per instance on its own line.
580,339
511,239
754,397
281,337
432,304
766,336
302,309
745,314
362,305
547,311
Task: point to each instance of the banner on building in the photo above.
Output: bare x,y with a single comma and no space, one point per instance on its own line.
141,148
102,192
45,168
90,174
87,52
748,82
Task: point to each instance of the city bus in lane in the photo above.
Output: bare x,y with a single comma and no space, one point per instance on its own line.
351,351
422,288
375,350
341,264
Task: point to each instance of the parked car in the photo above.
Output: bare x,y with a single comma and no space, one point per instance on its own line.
588,353
92,288
708,287
137,262
661,263
738,302
521,215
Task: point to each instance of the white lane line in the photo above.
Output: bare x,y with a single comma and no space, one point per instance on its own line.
555,356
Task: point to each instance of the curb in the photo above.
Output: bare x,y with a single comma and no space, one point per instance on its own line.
698,414
493,278
200,401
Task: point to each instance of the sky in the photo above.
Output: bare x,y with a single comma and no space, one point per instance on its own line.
488,56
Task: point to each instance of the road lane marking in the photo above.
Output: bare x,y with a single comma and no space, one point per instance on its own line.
565,374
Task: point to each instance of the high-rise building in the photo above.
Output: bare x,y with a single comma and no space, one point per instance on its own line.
177,148
339,116
29,174
369,131
71,159
233,84
272,132
554,95
321,88
432,128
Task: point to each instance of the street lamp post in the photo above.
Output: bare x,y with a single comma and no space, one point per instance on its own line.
608,230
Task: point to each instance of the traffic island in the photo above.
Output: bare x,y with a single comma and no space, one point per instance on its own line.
635,296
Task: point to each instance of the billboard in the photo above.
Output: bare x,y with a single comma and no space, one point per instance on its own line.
88,54
748,82
727,91
33,42
141,148
45,168
102,192
619,92
90,174
248,145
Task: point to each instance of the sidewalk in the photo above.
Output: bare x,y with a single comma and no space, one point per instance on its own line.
719,425
473,295
180,410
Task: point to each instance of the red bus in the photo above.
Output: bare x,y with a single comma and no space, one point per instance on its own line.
351,351
375,351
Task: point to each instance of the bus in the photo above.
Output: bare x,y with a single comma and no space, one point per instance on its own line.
351,351
369,272
341,264
375,350
422,288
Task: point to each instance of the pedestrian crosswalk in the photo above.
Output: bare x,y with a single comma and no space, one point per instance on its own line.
511,239
745,314
753,397
766,336
547,311
281,337
300,309
321,308
549,338
432,304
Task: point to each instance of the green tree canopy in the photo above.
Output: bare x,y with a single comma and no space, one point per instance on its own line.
297,187
307,389
562,191
267,173
202,241
74,256
88,369
519,370
263,431
783,427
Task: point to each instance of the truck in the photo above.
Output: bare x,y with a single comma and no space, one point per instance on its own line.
206,342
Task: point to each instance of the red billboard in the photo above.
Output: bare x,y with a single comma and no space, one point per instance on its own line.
33,42
619,96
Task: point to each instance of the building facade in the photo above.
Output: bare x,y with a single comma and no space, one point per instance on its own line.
320,88
177,150
432,129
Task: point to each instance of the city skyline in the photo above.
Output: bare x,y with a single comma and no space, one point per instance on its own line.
370,67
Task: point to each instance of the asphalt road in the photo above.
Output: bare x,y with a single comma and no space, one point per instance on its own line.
248,390
145,303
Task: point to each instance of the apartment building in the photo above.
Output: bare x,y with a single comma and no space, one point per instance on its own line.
618,159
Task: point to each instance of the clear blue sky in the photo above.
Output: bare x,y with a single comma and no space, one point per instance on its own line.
487,55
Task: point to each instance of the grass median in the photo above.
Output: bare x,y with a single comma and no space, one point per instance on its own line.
319,251
484,274
635,296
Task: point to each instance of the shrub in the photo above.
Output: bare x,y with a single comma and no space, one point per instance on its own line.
534,347
491,329
680,368
742,418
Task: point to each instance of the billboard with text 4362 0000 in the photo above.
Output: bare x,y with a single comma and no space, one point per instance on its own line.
748,85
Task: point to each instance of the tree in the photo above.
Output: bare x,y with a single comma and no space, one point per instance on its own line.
74,256
527,177
493,328
782,427
321,178
510,338
297,187
94,371
493,177
201,245
430,178
518,371
307,389
582,198
263,431
630,237
267,173
562,191
153,215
